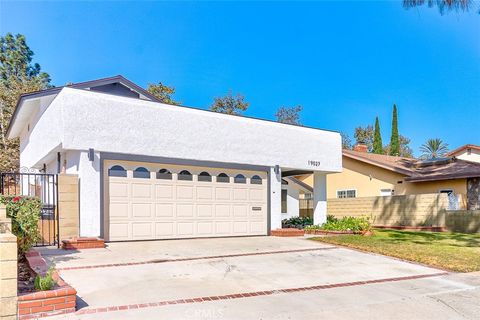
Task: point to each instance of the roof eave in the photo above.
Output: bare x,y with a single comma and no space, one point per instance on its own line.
378,164
443,177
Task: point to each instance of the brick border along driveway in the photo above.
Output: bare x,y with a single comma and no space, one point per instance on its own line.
252,294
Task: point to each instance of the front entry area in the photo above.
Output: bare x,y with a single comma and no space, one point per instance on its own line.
146,201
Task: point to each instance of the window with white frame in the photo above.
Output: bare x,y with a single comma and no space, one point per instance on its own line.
386,192
347,193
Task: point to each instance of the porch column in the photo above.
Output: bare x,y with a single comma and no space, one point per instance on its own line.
275,199
319,197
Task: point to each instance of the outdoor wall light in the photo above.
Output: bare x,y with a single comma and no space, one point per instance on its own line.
91,154
277,169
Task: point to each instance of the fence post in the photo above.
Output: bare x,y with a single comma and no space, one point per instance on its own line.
68,206
8,268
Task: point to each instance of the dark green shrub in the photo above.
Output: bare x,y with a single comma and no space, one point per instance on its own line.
25,213
297,222
46,282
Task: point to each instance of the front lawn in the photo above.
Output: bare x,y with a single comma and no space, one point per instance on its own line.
452,251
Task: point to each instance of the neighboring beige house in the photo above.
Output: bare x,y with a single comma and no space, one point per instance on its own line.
469,152
371,175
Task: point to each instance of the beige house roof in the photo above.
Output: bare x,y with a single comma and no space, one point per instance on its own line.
418,170
463,148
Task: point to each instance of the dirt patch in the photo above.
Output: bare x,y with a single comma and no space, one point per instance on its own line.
26,277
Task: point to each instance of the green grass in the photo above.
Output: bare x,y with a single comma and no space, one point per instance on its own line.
452,251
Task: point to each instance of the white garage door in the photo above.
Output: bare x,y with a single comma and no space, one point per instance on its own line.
155,201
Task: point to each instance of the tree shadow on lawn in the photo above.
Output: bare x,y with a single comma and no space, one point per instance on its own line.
429,238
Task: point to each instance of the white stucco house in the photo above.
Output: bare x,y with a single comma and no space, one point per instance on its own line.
149,170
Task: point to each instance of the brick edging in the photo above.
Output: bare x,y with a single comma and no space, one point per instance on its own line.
252,294
331,247
60,300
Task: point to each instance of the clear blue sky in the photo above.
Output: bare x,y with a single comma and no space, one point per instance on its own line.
344,62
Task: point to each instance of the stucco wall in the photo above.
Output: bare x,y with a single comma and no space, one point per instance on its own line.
131,126
410,210
45,135
89,185
473,156
293,209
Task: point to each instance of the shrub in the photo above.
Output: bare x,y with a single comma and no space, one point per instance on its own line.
25,213
297,222
44,283
344,224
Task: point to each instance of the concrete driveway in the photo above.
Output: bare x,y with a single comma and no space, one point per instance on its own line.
258,278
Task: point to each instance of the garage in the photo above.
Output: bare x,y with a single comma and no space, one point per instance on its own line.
146,201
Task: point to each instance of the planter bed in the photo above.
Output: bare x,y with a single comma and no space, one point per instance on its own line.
287,232
37,304
413,228
330,232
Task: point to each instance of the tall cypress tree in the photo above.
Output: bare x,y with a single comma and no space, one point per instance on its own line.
377,139
394,139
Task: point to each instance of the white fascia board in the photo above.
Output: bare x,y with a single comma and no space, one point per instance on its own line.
45,135
116,124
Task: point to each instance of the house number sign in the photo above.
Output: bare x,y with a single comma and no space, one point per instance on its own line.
314,163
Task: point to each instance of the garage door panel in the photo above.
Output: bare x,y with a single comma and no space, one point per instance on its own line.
257,210
163,207
204,193
142,230
164,192
184,192
204,211
222,210
185,210
258,227
185,228
204,228
257,194
223,227
240,211
119,231
164,229
240,227
222,193
119,210
240,194
119,190
141,210
165,210
141,190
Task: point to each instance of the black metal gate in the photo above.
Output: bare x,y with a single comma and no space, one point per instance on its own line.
42,186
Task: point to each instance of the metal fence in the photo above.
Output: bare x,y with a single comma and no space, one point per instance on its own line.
42,186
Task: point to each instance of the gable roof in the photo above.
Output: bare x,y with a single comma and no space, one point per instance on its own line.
80,85
417,170
463,148
397,164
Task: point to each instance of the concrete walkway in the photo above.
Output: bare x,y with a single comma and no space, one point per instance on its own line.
258,278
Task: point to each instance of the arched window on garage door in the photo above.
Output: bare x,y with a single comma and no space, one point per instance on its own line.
240,178
185,175
117,171
256,180
204,176
141,173
223,177
164,174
